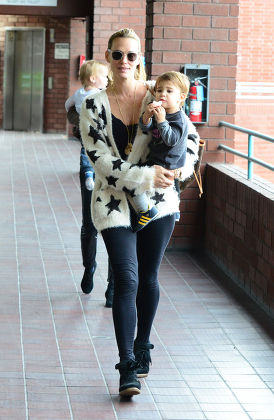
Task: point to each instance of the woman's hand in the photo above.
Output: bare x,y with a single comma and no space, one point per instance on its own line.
163,178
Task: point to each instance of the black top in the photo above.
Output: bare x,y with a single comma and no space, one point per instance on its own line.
120,134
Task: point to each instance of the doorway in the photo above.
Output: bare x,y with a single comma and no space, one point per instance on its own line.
24,79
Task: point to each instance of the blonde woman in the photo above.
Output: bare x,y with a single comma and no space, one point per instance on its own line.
118,148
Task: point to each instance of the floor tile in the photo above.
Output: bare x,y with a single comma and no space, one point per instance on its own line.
214,349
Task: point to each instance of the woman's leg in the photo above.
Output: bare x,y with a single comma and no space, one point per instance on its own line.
121,247
151,244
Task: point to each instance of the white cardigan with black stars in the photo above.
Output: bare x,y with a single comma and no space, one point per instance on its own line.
116,180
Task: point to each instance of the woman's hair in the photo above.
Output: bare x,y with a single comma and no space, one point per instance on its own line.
140,73
90,68
175,77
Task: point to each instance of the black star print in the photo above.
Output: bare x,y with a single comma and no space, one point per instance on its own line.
98,123
116,164
113,205
98,199
158,197
90,104
103,115
95,135
111,180
192,137
92,155
129,192
189,151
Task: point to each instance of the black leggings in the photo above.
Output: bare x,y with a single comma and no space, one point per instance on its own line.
135,259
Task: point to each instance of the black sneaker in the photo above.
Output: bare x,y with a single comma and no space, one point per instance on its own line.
144,218
129,384
87,280
142,358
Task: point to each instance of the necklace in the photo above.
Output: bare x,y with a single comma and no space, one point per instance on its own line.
129,145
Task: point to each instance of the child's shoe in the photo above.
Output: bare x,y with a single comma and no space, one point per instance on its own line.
144,218
89,183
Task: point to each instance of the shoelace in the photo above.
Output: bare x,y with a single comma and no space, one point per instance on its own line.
130,365
143,355
143,358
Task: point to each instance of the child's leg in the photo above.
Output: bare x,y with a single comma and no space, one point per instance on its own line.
177,187
141,202
146,213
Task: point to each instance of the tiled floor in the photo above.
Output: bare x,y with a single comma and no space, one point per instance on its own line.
214,351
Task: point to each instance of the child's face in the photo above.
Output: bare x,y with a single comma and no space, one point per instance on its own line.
101,78
170,95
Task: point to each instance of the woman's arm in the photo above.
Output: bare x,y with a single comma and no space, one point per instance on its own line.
110,169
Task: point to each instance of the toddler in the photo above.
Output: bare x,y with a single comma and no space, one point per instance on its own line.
93,76
169,126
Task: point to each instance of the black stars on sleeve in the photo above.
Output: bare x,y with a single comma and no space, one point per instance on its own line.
116,164
95,135
111,180
98,124
113,204
129,192
92,155
158,197
90,105
103,116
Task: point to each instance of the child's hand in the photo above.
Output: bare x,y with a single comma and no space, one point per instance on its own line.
150,111
159,114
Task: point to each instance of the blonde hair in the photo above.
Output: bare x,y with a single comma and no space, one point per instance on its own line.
178,79
88,69
140,73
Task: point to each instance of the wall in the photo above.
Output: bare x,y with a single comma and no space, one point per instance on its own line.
255,80
78,46
197,32
240,231
112,15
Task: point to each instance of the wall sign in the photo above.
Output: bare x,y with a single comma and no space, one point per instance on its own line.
61,51
28,2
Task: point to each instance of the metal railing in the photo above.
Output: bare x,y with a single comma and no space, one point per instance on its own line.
249,156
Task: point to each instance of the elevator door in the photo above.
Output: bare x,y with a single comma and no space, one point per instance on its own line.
24,79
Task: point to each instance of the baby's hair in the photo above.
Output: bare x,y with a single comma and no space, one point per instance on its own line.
178,79
90,68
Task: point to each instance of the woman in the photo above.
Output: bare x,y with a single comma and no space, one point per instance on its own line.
117,149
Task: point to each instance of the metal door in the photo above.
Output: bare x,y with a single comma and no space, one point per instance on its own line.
24,79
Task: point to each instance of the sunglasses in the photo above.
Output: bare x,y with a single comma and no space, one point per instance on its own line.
118,55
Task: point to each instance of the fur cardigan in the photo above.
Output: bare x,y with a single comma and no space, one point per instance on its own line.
117,180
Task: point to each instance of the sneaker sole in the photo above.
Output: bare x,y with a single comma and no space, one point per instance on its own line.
129,392
142,375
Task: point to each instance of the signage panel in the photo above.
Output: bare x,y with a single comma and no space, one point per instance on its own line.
51,3
61,51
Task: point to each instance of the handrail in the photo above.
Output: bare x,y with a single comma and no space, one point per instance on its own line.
248,156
